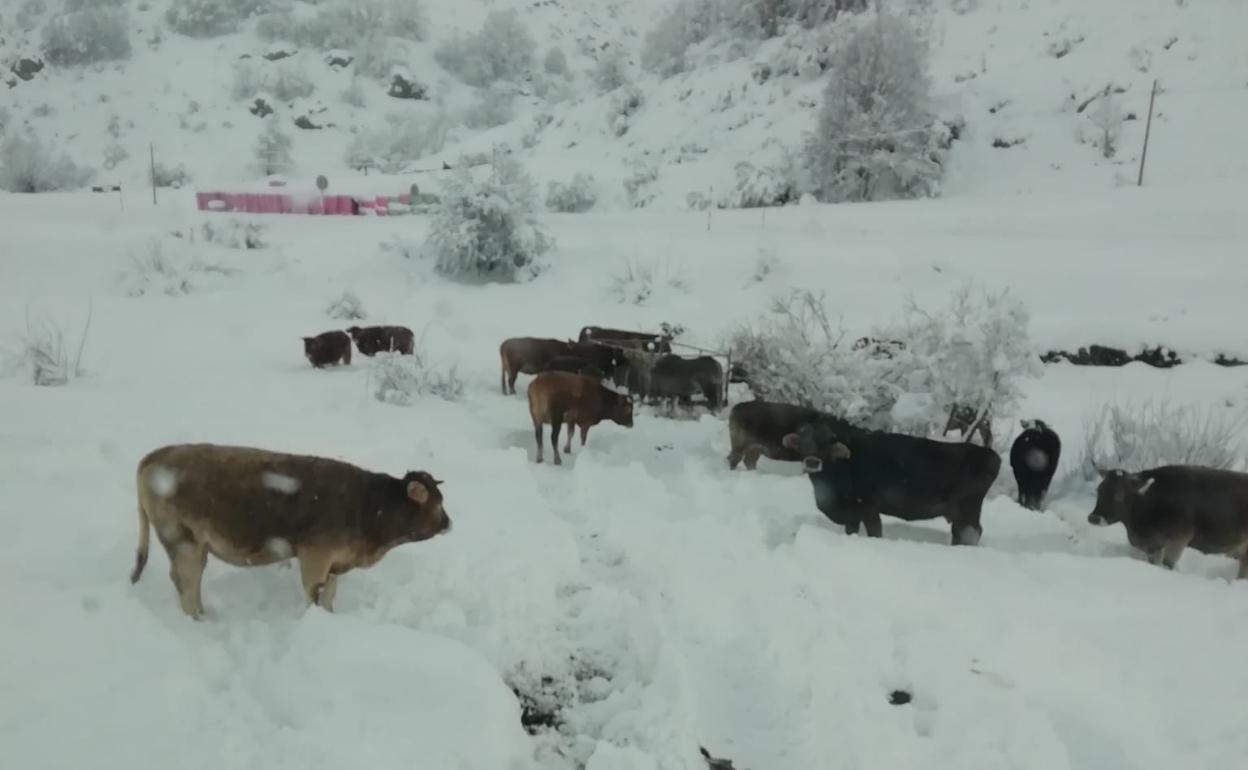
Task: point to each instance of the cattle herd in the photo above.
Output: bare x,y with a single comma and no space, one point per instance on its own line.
252,507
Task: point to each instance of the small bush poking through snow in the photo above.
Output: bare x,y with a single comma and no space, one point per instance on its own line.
171,176
503,49
875,138
637,281
207,18
1135,437
158,270
487,230
272,150
575,197
87,37
347,307
1106,118
556,62
46,357
234,234
27,166
401,379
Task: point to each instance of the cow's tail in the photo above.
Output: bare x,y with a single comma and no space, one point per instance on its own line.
145,539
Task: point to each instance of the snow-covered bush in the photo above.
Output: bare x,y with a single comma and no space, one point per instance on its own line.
346,307
45,356
169,268
171,176
208,18
575,197
611,71
347,23
287,82
1106,118
401,379
503,49
637,186
407,136
30,14
756,187
769,18
556,62
114,154
1134,437
487,230
875,137
234,233
87,37
27,166
636,282
971,355
494,107
686,23
272,150
624,103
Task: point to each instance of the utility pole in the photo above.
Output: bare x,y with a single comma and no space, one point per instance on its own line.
1148,125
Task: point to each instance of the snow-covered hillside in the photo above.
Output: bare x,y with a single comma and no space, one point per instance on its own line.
660,601
1015,72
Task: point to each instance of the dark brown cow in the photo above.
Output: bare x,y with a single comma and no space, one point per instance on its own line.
251,507
528,355
757,429
1168,508
655,343
327,348
371,340
576,365
562,397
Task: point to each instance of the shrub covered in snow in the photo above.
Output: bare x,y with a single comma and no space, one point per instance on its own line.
1106,119
209,18
234,233
556,62
171,176
487,230
971,355
87,37
1134,437
611,71
503,49
624,103
875,137
285,82
401,379
756,187
169,268
45,356
27,166
635,284
406,137
493,107
272,150
575,197
686,23
346,307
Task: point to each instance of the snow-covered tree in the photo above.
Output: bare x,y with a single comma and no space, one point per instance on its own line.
273,149
1106,117
611,71
487,229
575,197
87,36
503,49
875,137
686,23
28,166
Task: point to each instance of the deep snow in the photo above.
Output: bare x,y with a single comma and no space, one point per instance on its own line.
672,603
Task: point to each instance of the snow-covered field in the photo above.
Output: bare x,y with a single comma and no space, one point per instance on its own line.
666,602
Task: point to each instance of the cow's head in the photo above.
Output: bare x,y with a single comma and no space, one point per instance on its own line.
817,443
621,411
354,331
419,515
312,347
1116,494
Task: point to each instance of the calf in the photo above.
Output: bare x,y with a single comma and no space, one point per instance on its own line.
858,477
371,340
251,507
562,397
327,348
1034,457
576,365
757,429
1171,507
528,355
674,378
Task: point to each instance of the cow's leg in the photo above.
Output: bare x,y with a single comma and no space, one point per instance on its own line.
511,381
751,455
1171,552
875,528
537,433
734,458
584,433
966,533
567,446
186,569
314,567
1243,566
329,591
965,527
556,422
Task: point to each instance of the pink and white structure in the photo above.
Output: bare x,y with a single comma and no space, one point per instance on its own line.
315,203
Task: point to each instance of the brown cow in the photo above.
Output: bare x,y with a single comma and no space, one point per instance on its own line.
528,355
327,348
563,397
371,340
252,507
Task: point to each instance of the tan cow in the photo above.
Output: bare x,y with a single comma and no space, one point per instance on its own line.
556,398
252,507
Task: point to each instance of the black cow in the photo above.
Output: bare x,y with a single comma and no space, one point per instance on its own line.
1171,507
757,429
605,358
675,378
858,477
1034,457
575,365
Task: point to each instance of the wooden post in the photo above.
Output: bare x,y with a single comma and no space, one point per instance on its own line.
151,148
1152,96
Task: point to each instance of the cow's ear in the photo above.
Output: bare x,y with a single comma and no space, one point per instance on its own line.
790,441
1025,423
840,452
418,492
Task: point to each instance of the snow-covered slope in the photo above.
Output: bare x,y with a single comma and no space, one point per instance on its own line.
994,64
661,600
